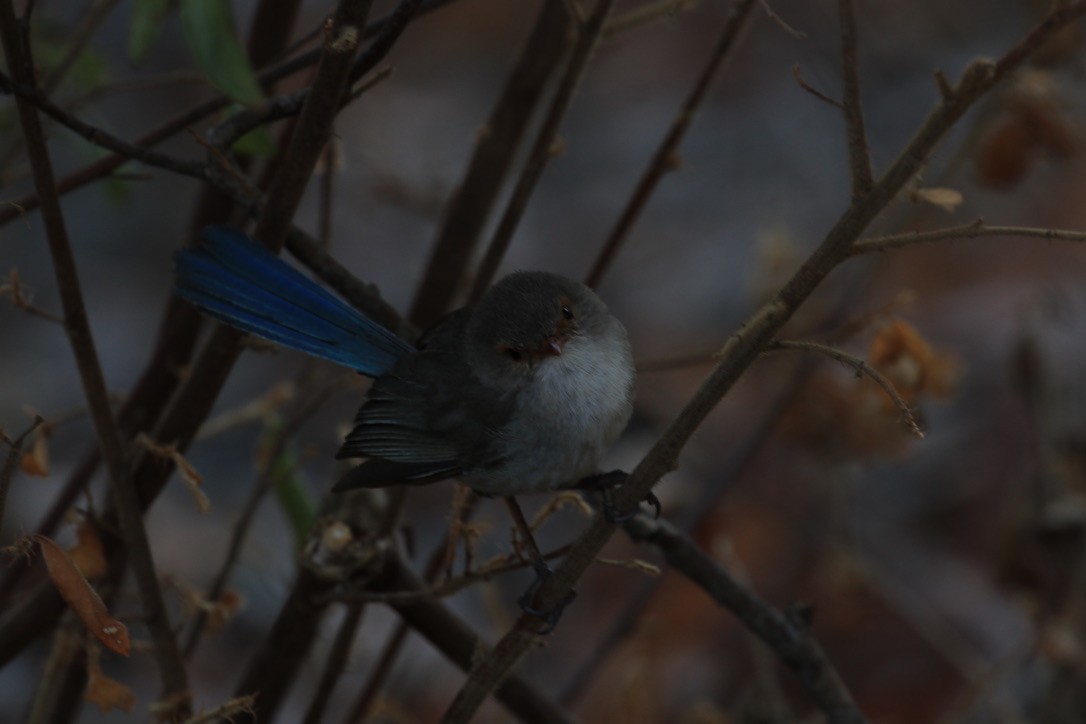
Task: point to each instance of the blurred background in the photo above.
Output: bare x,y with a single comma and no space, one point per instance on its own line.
945,574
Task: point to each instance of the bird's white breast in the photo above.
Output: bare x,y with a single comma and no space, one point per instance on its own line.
576,405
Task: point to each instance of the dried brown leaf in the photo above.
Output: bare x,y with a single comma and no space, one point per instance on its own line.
35,461
108,694
82,598
88,553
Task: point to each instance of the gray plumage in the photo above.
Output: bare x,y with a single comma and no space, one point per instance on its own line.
521,393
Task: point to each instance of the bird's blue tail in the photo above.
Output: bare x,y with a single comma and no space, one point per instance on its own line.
239,282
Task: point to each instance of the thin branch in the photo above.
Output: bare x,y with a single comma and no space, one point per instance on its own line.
103,167
270,110
11,461
465,507
744,347
648,13
787,635
303,408
861,368
335,663
798,76
497,566
973,230
20,299
498,140
34,96
775,18
88,26
451,636
664,159
859,157
77,325
543,148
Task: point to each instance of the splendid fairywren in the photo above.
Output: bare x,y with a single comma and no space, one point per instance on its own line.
520,393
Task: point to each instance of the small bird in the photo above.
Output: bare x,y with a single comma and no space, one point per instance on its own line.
519,394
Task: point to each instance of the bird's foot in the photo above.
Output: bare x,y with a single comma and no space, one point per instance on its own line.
605,484
527,600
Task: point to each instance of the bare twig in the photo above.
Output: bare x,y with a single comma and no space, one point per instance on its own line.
301,410
746,345
105,166
859,156
77,325
862,369
774,17
664,158
814,91
334,664
88,26
21,300
11,461
495,149
973,230
647,13
450,635
786,635
542,148
31,94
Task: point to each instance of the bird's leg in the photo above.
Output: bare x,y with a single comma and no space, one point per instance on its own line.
605,484
542,572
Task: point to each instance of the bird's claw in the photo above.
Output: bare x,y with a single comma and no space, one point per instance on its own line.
550,617
605,484
610,512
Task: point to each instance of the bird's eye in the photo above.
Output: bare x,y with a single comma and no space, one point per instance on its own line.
567,313
514,353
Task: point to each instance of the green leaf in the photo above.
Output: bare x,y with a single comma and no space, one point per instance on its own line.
257,143
145,25
292,491
213,41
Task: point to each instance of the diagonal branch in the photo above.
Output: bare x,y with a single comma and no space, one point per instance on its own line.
663,160
786,634
543,148
494,152
746,345
861,368
973,230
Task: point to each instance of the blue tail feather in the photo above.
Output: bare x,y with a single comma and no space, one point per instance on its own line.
239,282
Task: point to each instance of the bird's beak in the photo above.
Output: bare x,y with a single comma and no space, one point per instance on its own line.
552,346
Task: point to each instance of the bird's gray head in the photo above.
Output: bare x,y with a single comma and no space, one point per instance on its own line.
528,318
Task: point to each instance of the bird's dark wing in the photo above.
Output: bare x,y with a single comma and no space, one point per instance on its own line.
427,419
